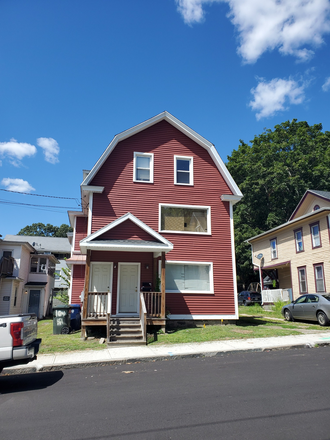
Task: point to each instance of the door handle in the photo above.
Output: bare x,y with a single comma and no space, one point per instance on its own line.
3,325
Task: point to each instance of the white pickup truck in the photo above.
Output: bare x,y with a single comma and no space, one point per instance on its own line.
18,339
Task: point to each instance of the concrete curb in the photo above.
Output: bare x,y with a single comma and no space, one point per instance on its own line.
39,367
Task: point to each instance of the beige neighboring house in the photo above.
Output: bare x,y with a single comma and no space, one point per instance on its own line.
296,254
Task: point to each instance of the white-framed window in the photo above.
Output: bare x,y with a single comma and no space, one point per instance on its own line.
299,240
319,278
273,249
302,280
183,170
143,167
185,219
188,277
315,233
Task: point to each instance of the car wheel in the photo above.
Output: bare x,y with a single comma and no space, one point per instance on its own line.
287,315
322,319
244,303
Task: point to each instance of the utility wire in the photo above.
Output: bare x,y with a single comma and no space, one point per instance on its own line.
40,206
39,195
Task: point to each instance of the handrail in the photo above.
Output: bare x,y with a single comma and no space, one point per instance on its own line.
98,304
153,301
143,317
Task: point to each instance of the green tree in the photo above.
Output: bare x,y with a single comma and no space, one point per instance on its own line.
273,174
40,229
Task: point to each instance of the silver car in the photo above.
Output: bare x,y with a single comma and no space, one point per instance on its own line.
309,307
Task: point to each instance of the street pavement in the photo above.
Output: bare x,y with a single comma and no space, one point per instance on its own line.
128,354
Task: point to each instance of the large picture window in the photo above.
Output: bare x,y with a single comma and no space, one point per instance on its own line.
189,277
143,167
185,219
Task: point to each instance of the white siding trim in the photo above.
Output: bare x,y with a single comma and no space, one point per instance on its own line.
201,317
233,257
90,213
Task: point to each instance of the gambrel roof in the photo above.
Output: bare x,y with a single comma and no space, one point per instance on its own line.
166,116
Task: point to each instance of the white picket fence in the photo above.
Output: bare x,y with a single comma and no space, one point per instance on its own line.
273,295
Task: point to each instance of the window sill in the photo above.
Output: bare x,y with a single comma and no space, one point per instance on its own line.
185,232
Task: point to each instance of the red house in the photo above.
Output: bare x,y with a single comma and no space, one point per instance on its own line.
155,238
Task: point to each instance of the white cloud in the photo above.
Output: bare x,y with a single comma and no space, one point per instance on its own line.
264,25
326,85
51,149
16,151
273,96
19,185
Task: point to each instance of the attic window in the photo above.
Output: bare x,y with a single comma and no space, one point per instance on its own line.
316,207
143,167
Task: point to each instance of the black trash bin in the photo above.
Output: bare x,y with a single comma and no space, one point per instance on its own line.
75,316
61,320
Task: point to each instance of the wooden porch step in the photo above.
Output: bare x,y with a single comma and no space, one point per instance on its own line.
125,331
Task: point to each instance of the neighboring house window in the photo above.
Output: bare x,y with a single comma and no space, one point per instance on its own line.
15,298
38,265
7,254
273,248
183,170
315,233
302,279
316,207
319,278
143,167
189,277
299,240
185,219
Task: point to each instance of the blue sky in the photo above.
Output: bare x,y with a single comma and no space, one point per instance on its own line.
73,73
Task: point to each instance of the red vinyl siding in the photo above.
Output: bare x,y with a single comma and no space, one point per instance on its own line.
78,282
80,232
126,231
122,195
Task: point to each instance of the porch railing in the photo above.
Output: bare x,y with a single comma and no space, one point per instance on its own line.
143,317
153,301
98,305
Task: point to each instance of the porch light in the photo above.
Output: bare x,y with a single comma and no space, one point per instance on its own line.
147,266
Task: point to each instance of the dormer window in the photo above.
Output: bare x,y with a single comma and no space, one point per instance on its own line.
183,170
143,167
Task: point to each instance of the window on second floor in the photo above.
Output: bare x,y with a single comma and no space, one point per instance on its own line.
185,219
315,233
299,240
273,249
143,167
183,170
38,265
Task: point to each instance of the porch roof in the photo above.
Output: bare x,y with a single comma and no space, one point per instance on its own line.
126,246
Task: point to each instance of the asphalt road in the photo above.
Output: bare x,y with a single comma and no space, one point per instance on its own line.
271,395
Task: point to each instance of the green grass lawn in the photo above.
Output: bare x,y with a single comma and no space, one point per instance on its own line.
254,322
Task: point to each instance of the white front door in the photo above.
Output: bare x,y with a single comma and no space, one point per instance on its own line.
101,278
128,287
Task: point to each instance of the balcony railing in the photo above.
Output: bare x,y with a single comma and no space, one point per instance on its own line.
6,266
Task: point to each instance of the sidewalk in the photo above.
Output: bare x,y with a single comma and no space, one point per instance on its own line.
119,355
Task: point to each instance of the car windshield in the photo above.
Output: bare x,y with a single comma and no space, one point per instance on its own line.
326,297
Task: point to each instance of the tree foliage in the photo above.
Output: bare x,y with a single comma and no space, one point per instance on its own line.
273,174
39,229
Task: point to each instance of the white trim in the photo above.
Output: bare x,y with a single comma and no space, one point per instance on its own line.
230,198
90,214
233,255
137,313
87,242
208,218
180,126
193,263
92,189
151,169
95,263
191,170
201,317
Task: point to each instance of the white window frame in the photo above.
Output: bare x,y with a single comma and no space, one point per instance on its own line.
301,281
194,263
208,218
299,241
273,250
191,170
39,264
317,236
151,169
